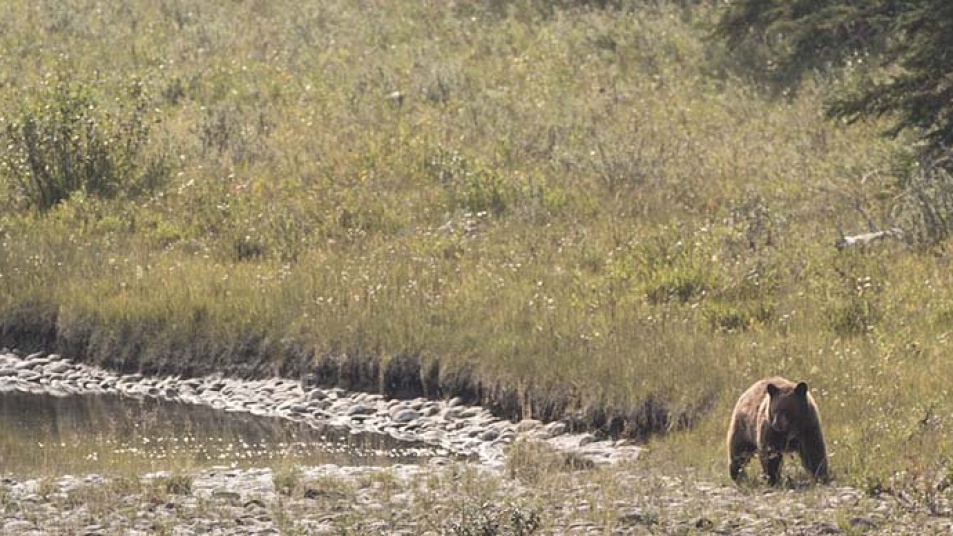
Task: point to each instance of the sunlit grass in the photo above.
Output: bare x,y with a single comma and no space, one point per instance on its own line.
578,202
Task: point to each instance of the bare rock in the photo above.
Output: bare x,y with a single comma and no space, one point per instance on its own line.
405,415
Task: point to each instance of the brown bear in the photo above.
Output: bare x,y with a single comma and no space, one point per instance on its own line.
772,417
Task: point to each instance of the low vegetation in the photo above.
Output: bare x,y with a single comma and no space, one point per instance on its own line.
587,202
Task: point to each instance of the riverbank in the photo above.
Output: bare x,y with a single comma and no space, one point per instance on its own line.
489,474
457,429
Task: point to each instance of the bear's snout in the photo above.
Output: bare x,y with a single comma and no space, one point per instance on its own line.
779,423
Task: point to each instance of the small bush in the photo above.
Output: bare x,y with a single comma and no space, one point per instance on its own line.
64,141
470,186
489,520
680,285
533,461
232,131
287,481
755,224
176,484
737,318
855,317
924,210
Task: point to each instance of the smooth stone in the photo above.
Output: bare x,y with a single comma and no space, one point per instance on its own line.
360,409
28,375
556,428
490,434
587,439
17,525
226,495
432,437
862,523
636,516
405,415
309,381
59,367
824,527
527,425
470,412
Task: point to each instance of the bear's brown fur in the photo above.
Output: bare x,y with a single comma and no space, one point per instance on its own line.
772,417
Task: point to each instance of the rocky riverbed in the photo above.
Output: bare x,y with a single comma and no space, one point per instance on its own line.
548,481
448,425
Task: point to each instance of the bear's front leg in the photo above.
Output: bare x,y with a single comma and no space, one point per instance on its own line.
771,465
814,458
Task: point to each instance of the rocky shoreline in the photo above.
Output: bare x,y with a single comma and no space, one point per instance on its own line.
477,488
451,426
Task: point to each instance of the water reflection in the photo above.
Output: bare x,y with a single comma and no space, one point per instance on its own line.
42,434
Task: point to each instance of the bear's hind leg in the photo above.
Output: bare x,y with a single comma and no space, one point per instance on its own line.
739,455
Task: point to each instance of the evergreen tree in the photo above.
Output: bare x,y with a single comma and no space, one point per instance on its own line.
908,42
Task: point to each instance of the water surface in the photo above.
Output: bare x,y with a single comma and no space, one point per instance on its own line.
113,434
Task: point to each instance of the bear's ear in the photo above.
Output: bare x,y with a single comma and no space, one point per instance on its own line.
773,389
801,390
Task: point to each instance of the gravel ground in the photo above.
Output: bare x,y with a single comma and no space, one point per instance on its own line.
451,498
524,477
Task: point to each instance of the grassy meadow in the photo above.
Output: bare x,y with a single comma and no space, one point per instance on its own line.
585,201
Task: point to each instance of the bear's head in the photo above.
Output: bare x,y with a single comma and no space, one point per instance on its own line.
789,408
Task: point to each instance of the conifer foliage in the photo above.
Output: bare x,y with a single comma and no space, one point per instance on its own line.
907,45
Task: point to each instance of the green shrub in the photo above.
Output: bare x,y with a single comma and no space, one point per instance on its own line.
924,208
680,285
177,484
855,317
533,461
737,318
64,141
471,186
489,520
287,480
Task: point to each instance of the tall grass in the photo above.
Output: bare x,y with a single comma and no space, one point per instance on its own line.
567,198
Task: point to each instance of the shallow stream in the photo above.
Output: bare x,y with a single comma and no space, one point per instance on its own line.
113,434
